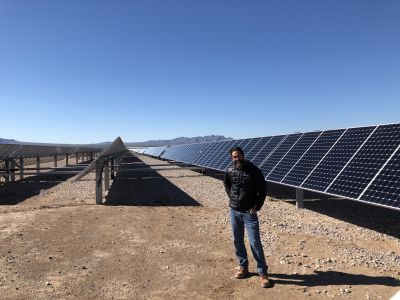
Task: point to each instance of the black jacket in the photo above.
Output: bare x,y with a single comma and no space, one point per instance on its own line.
246,188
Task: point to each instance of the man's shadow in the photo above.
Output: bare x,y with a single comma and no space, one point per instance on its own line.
324,278
138,185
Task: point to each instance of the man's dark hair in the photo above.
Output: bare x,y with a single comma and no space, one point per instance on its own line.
238,149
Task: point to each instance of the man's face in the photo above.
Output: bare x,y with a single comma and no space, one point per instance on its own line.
237,158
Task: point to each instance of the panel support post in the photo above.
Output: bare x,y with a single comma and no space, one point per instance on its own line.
37,165
99,184
91,156
55,161
83,157
299,198
12,171
7,167
21,168
66,160
107,175
77,157
112,168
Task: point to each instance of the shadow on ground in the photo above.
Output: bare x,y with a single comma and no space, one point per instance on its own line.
15,192
324,278
380,219
144,187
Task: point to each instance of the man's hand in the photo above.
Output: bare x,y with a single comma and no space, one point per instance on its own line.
253,210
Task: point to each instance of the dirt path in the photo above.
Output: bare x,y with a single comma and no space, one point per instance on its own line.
166,236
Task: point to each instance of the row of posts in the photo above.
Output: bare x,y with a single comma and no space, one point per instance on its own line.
104,172
11,165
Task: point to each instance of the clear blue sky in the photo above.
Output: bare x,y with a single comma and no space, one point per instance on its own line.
89,71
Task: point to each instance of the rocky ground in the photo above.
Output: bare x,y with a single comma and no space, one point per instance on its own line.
164,233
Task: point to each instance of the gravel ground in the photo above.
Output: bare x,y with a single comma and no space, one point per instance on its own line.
181,246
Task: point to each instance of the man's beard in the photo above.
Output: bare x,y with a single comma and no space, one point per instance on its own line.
239,164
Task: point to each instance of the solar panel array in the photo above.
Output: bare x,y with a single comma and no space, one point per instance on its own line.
25,150
152,151
360,163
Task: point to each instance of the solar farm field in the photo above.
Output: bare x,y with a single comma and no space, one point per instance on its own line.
165,234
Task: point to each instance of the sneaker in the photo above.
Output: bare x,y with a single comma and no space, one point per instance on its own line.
264,281
241,272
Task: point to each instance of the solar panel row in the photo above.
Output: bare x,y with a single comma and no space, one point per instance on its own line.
360,163
13,151
153,151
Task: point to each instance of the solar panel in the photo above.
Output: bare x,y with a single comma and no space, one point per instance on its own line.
227,161
267,148
194,154
276,155
312,157
292,156
221,151
224,154
190,150
367,162
167,153
155,151
199,154
261,142
385,188
206,153
30,150
212,151
180,153
336,158
250,145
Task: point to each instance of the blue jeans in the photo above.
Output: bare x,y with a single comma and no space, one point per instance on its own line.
240,220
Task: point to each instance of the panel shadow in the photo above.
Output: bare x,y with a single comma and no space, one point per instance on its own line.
15,192
144,187
380,219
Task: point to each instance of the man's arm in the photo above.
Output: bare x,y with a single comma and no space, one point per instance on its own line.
262,188
227,183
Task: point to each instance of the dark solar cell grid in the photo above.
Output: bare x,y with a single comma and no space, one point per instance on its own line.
250,146
224,155
266,149
206,153
199,153
189,149
367,162
249,155
292,156
313,156
337,158
227,161
212,151
217,153
385,189
279,152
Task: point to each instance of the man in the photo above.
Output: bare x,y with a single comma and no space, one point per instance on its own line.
246,188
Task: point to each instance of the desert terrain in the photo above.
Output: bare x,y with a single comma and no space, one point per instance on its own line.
164,233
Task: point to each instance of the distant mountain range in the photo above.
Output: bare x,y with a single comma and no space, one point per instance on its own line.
178,141
7,141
